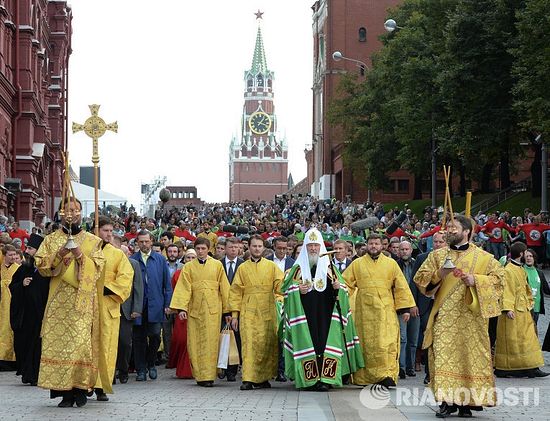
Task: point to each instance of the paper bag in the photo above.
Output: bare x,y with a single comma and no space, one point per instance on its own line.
233,350
223,354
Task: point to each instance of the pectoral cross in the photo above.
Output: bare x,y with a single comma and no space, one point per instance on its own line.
95,127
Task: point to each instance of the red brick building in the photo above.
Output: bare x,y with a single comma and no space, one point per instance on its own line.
352,27
35,37
181,196
258,161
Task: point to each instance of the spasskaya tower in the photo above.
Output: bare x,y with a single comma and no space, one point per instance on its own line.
258,160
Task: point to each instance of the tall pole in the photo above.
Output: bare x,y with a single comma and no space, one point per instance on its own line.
434,174
544,180
95,161
95,127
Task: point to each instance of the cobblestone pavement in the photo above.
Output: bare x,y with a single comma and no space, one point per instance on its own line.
168,398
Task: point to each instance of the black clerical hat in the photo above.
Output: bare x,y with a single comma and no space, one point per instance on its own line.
35,240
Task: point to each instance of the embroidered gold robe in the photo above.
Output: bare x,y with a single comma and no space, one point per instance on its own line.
456,335
6,334
517,346
202,291
252,296
70,330
381,290
117,276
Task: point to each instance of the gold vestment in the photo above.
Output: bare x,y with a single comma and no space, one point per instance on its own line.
381,290
202,291
6,334
517,346
456,335
70,329
252,297
117,276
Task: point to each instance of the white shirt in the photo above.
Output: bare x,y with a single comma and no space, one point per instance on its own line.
281,263
227,265
338,262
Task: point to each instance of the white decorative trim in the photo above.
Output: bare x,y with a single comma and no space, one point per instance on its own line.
262,184
38,149
261,160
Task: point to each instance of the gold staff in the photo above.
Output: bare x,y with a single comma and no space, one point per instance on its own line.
468,207
447,210
67,198
95,127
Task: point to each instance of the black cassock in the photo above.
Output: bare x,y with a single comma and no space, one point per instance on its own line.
318,307
546,343
26,312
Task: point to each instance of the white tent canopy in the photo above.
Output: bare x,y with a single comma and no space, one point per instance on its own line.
85,194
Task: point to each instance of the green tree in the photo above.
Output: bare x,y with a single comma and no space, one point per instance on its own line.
413,56
532,66
476,82
361,111
532,70
446,75
389,120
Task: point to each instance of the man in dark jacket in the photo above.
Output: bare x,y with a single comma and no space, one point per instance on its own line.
341,260
156,301
130,310
230,263
424,303
279,256
284,262
408,329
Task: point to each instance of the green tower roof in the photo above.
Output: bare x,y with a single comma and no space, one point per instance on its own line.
259,63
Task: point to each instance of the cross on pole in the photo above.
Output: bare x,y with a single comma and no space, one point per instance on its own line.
95,127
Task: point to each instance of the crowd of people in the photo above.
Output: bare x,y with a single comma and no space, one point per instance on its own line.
322,293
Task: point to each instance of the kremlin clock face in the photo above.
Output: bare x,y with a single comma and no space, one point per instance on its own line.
259,122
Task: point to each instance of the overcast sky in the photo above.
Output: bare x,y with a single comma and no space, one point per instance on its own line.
171,73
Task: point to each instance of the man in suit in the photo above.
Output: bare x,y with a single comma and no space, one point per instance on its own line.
279,257
424,303
408,329
230,263
284,262
341,260
157,289
130,310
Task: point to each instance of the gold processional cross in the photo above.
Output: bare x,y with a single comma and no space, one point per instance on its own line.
95,127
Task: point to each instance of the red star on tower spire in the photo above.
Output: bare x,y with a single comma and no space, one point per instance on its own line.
259,14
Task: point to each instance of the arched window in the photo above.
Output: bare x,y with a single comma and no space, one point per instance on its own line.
260,80
249,82
362,34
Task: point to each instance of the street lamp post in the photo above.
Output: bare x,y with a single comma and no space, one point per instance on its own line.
391,25
434,173
338,56
544,175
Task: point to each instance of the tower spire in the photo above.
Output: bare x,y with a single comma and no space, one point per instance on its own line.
259,63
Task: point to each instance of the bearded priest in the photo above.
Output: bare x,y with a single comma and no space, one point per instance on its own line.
456,336
383,295
320,342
